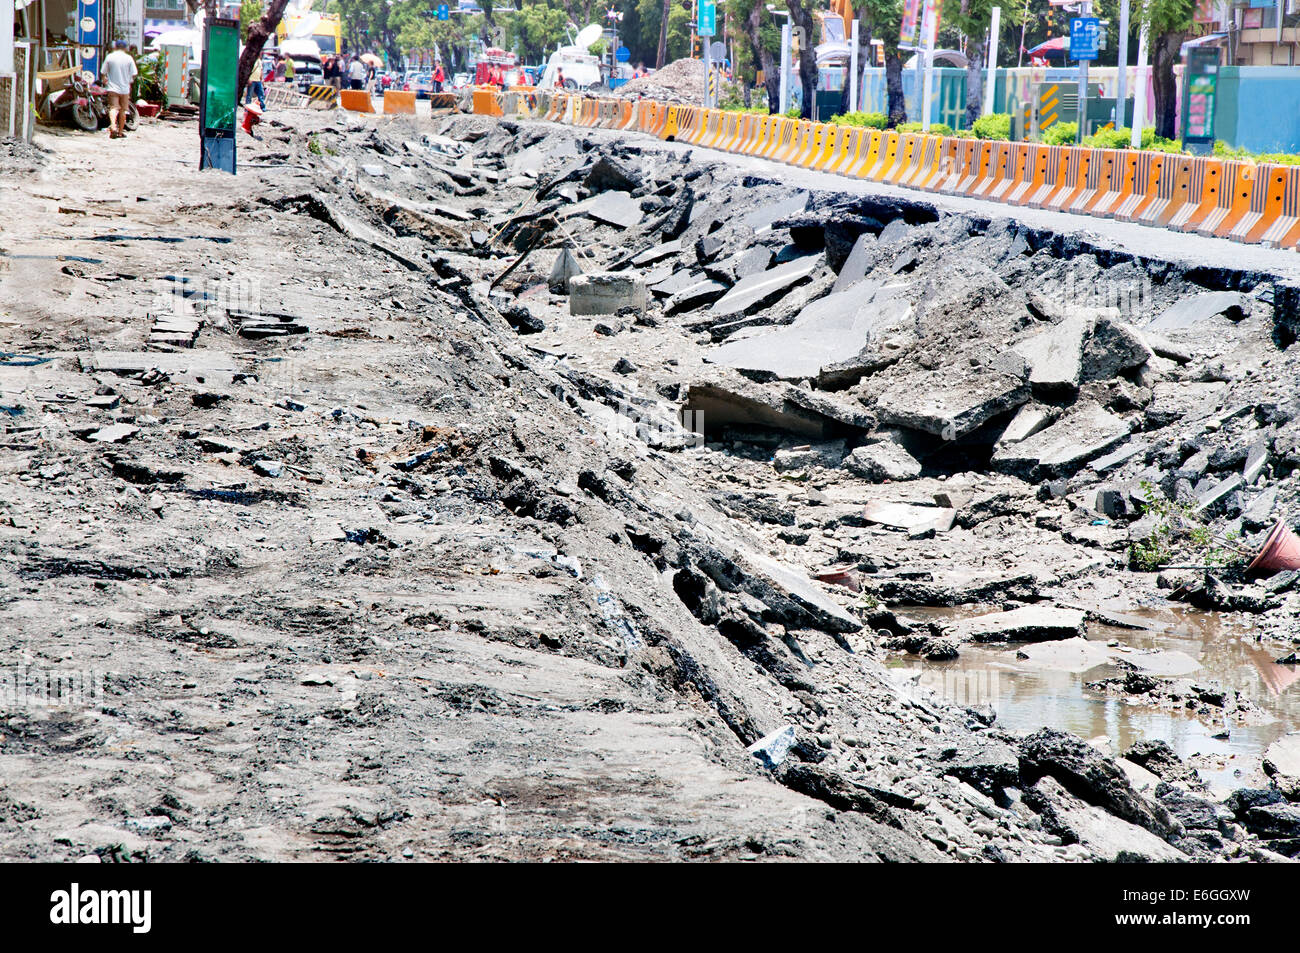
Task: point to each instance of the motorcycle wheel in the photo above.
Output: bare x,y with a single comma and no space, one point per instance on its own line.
84,117
132,114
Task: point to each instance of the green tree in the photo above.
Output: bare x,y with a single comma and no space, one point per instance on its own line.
250,11
884,19
258,32
534,30
972,18
761,49
1168,23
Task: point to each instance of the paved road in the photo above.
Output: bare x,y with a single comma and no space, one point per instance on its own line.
1143,240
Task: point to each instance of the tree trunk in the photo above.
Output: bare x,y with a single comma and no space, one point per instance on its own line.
974,81
258,34
803,21
896,108
663,36
770,66
1164,87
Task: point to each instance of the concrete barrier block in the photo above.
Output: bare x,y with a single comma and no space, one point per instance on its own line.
606,293
397,101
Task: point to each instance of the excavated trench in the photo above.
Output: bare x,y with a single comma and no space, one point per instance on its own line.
910,348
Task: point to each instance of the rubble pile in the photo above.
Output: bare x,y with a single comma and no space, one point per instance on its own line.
570,497
681,81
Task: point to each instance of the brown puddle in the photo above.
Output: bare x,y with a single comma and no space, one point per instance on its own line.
1028,697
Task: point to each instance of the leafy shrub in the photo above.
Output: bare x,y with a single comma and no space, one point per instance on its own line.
866,120
1061,134
936,128
992,126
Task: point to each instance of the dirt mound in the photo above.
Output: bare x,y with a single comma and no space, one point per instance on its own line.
682,81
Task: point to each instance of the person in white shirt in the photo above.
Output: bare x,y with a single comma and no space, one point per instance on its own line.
119,74
357,74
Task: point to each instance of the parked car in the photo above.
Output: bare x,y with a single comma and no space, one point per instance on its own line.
422,85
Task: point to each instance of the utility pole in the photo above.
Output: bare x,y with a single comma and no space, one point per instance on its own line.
784,104
1140,91
1085,10
853,67
927,32
1121,84
994,25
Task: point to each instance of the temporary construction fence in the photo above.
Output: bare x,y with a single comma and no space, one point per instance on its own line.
1238,200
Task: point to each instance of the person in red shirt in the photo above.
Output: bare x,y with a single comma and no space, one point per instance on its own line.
439,77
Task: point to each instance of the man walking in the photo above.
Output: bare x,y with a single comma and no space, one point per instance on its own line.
119,74
255,87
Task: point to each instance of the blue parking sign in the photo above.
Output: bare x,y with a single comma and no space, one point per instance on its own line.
443,12
1085,38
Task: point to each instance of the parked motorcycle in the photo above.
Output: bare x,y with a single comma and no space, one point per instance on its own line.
85,103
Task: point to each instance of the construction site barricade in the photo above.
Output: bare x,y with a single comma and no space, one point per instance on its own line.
396,101
799,142
651,117
710,128
1147,175
743,129
1201,195
965,155
846,148
1033,171
916,159
994,171
1174,182
1117,185
628,114
1283,230
1058,165
931,175
886,153
359,101
973,172
327,97
1097,183
763,132
782,137
670,128
1076,179
893,171
1013,171
814,150
868,152
1236,189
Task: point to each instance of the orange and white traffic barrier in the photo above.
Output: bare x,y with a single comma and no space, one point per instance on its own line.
1148,175
1013,172
1235,194
1033,172
1284,229
1203,187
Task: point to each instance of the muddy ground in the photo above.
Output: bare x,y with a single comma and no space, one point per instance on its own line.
366,547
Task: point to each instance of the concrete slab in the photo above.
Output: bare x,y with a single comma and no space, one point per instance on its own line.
1026,624
950,402
1192,310
1087,431
756,290
1054,356
828,331
613,208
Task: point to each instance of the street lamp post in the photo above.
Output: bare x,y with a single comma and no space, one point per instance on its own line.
785,57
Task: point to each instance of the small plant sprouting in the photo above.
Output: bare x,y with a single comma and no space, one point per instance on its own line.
1178,529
